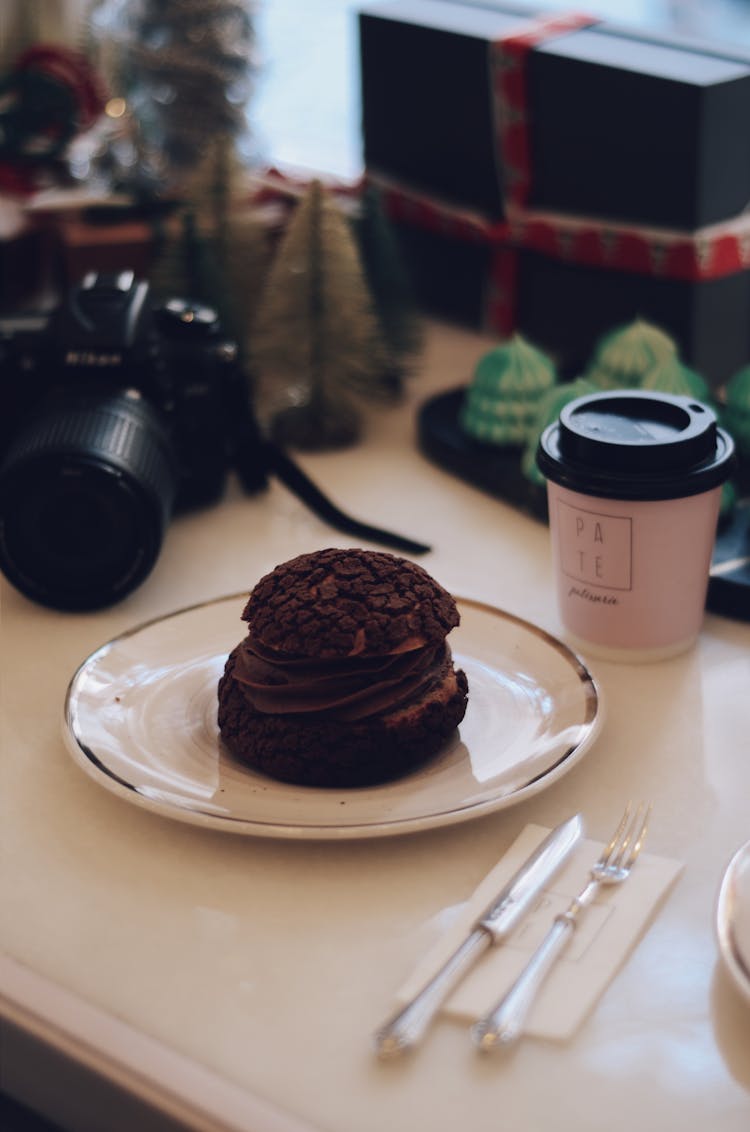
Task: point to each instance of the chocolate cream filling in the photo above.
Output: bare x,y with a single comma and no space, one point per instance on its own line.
348,689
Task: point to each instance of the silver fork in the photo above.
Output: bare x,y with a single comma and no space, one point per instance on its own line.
503,1024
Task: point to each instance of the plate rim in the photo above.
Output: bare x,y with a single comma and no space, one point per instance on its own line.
733,963
87,759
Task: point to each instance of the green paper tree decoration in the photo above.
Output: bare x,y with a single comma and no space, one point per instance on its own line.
736,411
508,383
624,356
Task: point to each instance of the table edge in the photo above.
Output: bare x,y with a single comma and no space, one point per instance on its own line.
164,1080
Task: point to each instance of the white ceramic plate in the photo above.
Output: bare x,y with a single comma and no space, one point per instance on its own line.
733,919
140,718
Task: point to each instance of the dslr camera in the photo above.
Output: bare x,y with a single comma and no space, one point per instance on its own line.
117,413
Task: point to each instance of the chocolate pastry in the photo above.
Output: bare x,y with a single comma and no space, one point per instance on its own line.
345,677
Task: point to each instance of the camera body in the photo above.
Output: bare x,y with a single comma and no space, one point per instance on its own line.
116,413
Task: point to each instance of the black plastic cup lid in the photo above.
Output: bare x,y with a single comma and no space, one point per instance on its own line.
636,445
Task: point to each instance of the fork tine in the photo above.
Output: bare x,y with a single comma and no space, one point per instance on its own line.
618,858
643,814
631,841
611,850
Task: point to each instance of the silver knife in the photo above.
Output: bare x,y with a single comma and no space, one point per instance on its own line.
407,1027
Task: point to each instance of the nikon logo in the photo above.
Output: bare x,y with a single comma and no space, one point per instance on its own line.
92,358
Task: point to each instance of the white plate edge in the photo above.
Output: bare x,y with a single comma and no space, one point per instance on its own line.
722,924
102,776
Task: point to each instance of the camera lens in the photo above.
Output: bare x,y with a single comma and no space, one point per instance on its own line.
86,493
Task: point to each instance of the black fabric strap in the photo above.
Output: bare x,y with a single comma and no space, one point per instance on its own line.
294,478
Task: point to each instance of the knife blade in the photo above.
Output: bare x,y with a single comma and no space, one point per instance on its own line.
406,1028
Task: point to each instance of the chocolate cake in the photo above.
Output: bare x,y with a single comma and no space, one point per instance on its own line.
345,677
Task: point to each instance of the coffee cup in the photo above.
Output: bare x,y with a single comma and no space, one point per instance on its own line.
634,483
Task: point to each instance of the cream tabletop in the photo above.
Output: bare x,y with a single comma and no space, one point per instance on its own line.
234,982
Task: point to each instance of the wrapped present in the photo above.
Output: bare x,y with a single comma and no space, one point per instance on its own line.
563,282
516,216
431,76
638,127
90,246
696,286
483,105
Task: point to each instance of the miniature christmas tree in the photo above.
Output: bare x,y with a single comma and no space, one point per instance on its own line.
625,355
390,287
217,249
736,412
185,70
316,335
671,376
508,384
548,410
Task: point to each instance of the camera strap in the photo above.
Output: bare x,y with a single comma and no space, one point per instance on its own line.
292,476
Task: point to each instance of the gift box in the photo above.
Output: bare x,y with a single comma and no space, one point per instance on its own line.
428,117
558,176
563,282
567,306
638,128
90,246
481,106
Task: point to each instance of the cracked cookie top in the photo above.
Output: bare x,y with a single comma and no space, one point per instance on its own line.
339,603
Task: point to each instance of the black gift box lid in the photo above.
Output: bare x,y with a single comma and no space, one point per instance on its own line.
637,127
426,106
629,126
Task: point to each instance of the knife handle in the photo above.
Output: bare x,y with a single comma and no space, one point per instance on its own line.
502,1025
407,1027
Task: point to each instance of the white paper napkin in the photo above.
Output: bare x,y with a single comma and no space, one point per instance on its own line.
606,932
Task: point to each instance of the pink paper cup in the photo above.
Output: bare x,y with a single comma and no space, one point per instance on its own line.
634,486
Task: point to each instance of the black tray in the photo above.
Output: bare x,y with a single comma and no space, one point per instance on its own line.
495,469
729,584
